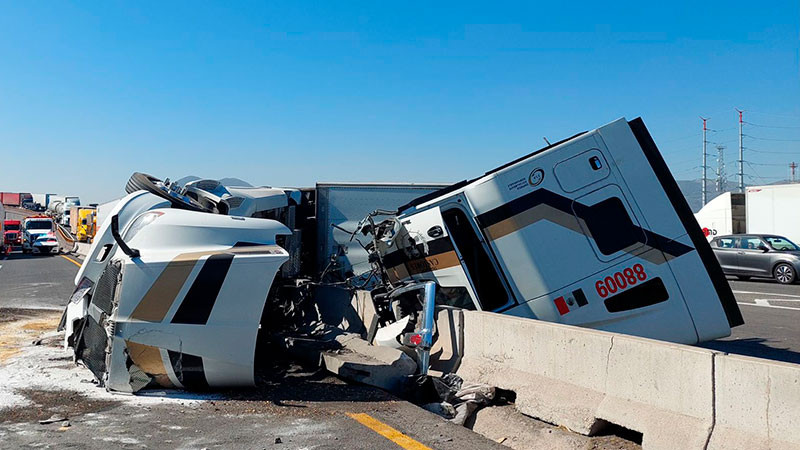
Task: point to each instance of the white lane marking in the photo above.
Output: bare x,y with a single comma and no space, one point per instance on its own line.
789,300
766,293
769,306
761,302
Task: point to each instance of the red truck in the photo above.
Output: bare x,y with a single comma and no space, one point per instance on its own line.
12,233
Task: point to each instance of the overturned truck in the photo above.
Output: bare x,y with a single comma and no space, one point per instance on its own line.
591,231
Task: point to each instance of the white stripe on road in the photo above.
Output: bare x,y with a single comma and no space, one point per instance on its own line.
766,293
768,306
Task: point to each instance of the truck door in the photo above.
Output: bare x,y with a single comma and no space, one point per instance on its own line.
571,238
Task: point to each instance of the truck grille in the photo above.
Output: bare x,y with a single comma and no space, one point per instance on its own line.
106,288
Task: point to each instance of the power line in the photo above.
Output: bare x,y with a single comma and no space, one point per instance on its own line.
773,126
772,139
790,152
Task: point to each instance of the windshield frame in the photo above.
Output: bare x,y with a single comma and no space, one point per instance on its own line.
768,240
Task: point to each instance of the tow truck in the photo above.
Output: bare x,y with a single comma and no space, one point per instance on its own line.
39,235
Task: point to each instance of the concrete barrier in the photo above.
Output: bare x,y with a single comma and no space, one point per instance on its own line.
757,404
677,396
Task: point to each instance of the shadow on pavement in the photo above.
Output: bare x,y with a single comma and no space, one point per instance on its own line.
757,347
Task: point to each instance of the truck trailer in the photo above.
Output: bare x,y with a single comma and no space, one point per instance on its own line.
771,209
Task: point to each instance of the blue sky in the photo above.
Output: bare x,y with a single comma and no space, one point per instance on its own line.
298,92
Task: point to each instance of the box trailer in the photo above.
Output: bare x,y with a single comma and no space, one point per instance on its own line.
10,198
774,209
340,207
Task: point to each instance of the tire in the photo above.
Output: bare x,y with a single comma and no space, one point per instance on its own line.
784,273
743,277
143,182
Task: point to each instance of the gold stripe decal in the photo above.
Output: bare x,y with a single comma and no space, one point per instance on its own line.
162,294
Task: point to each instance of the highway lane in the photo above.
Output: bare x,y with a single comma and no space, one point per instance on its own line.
772,321
36,281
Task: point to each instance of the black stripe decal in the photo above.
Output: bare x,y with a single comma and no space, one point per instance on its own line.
435,247
598,218
199,301
686,217
189,370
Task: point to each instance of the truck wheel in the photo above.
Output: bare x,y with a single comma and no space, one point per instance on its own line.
784,273
143,182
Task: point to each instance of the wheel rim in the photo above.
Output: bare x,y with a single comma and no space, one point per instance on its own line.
785,274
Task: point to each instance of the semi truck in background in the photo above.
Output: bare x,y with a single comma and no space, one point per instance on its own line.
82,222
39,235
771,209
42,200
12,233
3,248
59,208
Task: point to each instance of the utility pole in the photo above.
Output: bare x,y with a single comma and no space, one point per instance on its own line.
741,153
721,182
793,166
705,166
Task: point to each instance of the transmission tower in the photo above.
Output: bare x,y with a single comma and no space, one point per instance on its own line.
704,180
722,183
793,166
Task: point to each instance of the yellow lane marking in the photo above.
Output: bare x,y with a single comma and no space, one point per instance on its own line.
388,432
71,260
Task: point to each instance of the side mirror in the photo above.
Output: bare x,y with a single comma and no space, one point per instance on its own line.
763,248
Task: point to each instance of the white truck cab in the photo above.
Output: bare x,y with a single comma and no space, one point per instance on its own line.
39,235
591,231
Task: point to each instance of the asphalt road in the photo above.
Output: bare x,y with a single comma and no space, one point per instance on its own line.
13,213
36,281
772,321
